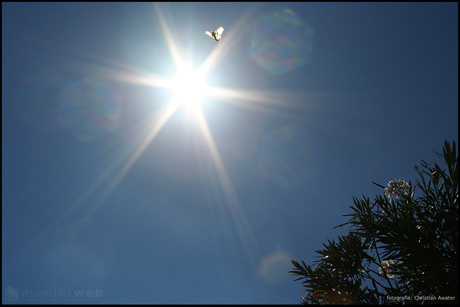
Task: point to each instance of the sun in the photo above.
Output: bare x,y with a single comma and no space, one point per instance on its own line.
189,88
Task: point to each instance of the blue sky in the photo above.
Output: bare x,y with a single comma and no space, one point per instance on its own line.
110,187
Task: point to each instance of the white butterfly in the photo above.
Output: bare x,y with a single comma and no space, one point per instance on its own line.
216,34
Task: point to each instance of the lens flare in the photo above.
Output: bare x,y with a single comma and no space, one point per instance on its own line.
274,267
82,253
281,42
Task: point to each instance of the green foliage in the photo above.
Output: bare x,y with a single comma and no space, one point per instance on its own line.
399,247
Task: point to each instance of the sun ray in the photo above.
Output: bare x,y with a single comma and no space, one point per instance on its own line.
171,108
124,74
243,227
167,34
154,129
259,97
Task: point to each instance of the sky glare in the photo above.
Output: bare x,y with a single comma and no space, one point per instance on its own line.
143,162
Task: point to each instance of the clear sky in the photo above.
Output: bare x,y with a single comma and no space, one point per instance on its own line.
113,183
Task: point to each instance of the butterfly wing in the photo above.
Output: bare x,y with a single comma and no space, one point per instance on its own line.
216,34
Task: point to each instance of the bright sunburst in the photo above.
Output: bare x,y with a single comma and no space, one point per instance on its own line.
189,88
